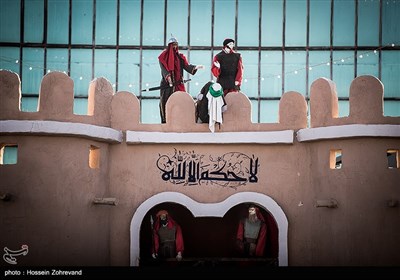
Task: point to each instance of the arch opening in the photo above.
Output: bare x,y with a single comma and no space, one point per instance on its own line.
209,229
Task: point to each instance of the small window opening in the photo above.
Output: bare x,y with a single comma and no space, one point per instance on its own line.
393,159
94,157
335,160
8,154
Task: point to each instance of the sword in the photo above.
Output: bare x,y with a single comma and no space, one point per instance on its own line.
167,86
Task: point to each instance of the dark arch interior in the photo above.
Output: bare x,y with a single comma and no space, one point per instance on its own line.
207,237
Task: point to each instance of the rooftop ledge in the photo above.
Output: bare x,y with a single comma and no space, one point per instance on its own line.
99,133
110,135
348,131
251,137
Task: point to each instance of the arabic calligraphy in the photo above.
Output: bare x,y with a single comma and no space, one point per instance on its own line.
231,170
10,254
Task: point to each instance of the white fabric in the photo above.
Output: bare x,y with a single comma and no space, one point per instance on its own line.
214,110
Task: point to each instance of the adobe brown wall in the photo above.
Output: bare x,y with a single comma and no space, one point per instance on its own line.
362,230
53,187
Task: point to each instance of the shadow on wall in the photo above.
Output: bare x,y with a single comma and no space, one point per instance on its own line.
210,239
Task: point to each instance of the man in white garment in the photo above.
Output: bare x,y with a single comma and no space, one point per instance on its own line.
216,105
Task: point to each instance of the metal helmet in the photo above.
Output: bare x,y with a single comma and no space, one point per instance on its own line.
172,40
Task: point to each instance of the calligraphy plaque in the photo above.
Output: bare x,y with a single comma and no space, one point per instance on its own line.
232,169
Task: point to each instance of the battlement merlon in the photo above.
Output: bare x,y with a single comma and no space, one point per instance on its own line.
365,103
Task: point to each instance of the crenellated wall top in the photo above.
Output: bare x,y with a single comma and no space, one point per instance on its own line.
121,110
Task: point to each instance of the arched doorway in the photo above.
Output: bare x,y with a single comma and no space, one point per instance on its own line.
214,224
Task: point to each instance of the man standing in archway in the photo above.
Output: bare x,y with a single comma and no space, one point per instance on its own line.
167,237
252,233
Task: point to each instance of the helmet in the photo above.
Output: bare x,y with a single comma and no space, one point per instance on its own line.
172,40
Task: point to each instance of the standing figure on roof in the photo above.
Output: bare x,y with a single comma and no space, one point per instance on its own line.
172,64
167,237
252,233
227,67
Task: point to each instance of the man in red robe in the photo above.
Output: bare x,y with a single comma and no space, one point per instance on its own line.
167,237
227,67
172,64
252,233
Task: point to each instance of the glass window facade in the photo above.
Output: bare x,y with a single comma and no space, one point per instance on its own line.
57,22
285,45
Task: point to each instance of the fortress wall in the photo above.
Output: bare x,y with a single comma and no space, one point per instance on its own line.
53,187
351,234
51,208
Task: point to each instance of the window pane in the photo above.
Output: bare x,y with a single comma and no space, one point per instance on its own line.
29,104
57,21
391,73
200,23
202,76
224,21
343,71
343,108
9,154
392,108
57,60
33,21
150,112
153,23
82,22
81,70
390,22
106,22
271,20
104,65
32,70
368,23
318,65
250,75
9,21
9,59
151,72
343,23
80,106
129,71
254,111
271,71
296,25
320,22
295,72
269,111
368,63
177,25
129,22
248,26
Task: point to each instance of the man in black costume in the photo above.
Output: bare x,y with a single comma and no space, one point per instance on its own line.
227,67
